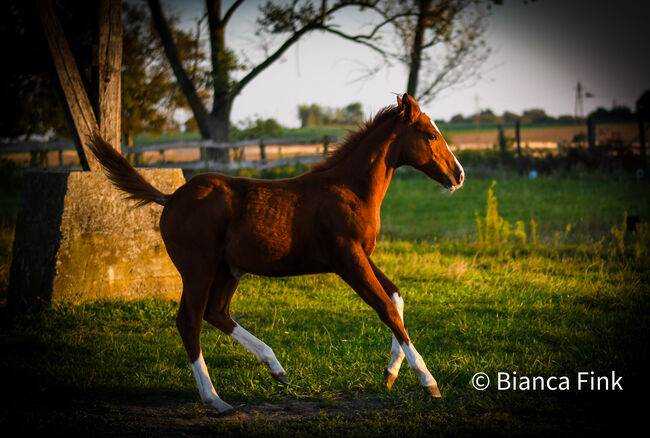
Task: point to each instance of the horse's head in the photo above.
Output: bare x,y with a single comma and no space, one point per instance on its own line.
423,147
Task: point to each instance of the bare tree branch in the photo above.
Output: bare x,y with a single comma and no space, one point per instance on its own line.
236,89
289,22
230,11
361,39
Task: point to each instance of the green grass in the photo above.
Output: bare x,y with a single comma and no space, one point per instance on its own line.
533,314
551,309
415,208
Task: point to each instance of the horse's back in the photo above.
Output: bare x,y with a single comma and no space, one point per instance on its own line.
241,219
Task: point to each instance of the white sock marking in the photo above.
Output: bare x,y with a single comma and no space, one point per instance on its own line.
396,353
206,390
260,350
417,364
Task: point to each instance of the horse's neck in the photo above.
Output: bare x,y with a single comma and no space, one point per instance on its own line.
369,168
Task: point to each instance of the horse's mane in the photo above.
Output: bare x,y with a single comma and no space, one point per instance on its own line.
353,139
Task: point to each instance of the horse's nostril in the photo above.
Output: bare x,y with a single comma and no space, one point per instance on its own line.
459,175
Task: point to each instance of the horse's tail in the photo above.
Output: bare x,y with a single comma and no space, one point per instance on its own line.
123,175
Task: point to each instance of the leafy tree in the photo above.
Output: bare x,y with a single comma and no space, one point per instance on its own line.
459,118
314,115
291,21
488,116
30,104
30,88
258,128
422,27
535,115
566,119
440,42
510,117
353,114
310,116
616,114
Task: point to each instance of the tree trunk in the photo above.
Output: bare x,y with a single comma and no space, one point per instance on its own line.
216,124
219,119
424,9
219,126
184,81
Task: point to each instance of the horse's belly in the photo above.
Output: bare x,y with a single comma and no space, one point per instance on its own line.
273,259
283,270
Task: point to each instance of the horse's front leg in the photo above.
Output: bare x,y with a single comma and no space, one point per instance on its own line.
396,353
355,268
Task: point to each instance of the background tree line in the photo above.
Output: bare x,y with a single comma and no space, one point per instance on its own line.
314,115
539,116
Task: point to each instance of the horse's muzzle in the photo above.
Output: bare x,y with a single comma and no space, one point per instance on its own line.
458,176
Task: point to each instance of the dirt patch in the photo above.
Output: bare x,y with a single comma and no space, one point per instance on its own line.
173,419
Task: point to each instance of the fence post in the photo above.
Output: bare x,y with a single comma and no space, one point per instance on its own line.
204,156
591,133
642,150
518,140
502,138
60,157
162,156
262,150
326,142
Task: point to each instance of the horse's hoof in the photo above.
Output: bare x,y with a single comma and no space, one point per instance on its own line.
389,378
281,377
222,407
432,390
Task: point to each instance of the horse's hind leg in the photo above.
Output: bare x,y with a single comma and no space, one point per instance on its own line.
218,314
196,286
396,353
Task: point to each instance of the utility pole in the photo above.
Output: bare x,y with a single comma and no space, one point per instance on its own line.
477,117
578,109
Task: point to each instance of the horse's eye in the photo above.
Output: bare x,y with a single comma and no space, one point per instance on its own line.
431,137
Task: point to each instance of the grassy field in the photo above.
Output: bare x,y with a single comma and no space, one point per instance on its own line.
572,302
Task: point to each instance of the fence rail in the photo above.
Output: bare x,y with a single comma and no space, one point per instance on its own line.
34,146
203,145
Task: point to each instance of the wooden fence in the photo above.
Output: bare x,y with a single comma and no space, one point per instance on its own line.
239,161
36,148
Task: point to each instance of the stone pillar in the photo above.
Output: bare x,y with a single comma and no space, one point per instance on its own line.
78,240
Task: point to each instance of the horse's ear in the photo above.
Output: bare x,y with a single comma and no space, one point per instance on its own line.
409,108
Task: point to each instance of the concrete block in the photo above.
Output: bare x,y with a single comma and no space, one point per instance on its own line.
77,239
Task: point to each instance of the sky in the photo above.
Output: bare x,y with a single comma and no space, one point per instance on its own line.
540,50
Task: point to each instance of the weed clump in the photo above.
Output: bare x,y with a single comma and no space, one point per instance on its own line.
494,231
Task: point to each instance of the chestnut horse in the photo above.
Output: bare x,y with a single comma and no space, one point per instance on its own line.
217,228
